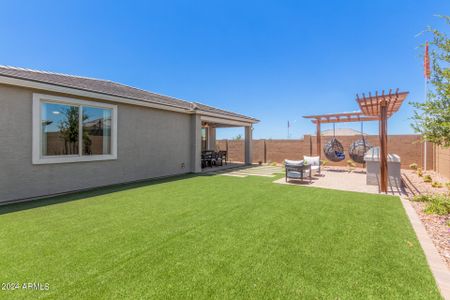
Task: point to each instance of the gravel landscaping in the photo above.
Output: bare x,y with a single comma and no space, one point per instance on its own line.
438,227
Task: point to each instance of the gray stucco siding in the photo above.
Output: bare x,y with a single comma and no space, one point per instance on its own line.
150,143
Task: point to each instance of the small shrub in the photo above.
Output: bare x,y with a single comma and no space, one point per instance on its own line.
439,205
427,178
436,204
324,162
413,166
436,184
351,165
422,198
448,185
419,172
274,164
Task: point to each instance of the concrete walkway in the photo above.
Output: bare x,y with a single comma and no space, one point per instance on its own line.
249,170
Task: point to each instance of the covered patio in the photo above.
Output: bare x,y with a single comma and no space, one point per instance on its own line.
207,156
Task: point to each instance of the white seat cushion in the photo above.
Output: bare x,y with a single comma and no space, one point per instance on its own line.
293,174
293,162
312,160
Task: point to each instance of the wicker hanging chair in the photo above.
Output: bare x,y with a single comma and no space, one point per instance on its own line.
334,151
359,148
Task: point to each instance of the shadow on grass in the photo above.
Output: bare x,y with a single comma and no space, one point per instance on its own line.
83,194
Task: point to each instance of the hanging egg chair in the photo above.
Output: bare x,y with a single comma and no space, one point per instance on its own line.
334,151
359,148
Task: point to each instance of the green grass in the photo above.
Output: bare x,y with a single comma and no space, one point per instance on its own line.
214,237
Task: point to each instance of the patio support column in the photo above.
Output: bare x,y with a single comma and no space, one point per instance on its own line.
196,149
383,147
248,144
212,138
318,140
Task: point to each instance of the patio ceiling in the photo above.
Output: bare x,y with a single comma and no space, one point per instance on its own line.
219,122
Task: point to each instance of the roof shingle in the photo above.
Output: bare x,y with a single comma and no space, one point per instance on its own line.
108,88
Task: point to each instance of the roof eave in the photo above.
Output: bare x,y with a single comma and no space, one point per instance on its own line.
227,117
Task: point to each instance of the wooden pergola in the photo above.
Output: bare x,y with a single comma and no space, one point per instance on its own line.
377,107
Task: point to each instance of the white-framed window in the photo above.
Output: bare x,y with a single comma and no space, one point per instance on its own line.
72,130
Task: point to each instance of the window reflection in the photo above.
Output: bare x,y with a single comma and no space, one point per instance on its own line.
60,127
96,131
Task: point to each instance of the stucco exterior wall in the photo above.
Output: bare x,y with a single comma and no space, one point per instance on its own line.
151,143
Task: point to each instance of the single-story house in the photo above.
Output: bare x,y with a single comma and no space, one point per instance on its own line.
61,133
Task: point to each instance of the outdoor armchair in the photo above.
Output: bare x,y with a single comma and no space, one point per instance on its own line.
296,169
314,161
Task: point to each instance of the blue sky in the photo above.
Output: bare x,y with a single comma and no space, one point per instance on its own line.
274,60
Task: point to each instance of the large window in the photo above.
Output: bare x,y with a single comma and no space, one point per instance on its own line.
70,130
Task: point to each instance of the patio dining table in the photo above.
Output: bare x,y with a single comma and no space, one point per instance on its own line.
213,158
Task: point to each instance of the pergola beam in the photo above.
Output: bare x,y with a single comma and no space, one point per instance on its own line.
347,120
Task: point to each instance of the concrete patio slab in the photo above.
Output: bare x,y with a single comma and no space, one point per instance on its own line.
340,179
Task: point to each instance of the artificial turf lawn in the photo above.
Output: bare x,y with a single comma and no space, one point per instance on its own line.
214,237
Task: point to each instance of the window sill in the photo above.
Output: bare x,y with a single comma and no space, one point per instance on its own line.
72,159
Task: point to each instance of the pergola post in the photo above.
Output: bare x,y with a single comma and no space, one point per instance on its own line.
383,147
318,139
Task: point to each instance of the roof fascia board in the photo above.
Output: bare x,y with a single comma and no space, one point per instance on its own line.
221,120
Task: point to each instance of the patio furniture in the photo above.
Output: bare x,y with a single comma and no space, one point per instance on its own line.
314,161
334,150
378,107
217,159
296,169
224,156
359,148
207,158
212,158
